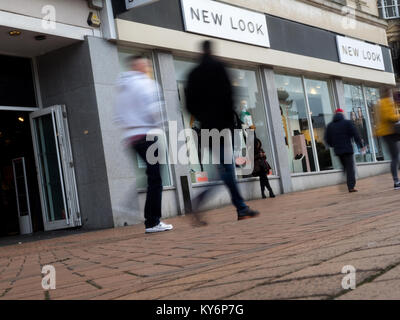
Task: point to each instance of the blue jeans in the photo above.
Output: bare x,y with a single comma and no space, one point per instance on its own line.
227,173
152,208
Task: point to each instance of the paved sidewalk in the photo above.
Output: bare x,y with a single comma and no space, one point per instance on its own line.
296,249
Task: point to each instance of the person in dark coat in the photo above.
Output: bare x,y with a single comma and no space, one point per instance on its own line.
262,168
209,98
339,135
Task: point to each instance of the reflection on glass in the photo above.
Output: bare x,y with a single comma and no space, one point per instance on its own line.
294,118
200,172
356,112
248,106
250,109
51,175
138,163
372,98
319,99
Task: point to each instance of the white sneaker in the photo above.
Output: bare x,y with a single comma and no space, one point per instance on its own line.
160,228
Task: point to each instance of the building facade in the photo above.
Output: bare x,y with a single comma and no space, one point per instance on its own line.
390,11
292,63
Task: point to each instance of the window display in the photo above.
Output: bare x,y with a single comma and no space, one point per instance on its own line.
250,111
139,164
292,104
250,108
372,99
357,113
321,108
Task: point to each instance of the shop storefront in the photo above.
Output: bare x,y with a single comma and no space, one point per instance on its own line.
38,188
288,79
62,162
43,171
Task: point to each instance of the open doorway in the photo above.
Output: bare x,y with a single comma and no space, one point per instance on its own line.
16,144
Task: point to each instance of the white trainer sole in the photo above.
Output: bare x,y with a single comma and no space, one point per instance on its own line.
154,230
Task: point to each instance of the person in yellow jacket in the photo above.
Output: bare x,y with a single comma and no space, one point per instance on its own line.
386,116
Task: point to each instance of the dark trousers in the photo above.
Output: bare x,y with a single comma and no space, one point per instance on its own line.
264,183
392,143
152,208
347,161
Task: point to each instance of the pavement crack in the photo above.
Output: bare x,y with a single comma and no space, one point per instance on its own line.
78,274
136,274
94,284
5,292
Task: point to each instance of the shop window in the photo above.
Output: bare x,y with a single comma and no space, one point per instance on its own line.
372,99
16,82
139,164
320,102
356,112
249,107
295,122
388,9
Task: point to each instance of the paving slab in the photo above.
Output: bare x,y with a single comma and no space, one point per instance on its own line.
295,249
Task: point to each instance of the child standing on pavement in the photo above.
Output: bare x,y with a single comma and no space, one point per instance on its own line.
262,168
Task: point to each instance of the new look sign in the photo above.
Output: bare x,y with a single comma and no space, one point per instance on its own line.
360,53
220,20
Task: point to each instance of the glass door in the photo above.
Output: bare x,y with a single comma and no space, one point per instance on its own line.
55,166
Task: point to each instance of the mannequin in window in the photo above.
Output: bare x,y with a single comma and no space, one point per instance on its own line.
362,127
245,115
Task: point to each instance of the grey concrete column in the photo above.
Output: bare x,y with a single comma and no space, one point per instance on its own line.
338,92
276,128
71,76
180,172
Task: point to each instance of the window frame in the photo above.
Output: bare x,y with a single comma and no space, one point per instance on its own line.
369,125
333,102
263,99
383,8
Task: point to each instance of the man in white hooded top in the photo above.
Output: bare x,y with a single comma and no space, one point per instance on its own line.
137,112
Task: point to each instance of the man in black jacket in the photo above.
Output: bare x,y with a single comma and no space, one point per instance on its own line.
339,135
209,98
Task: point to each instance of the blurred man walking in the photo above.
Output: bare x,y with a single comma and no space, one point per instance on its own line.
386,117
339,135
210,100
137,112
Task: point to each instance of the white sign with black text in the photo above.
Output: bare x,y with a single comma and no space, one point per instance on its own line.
220,20
360,53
